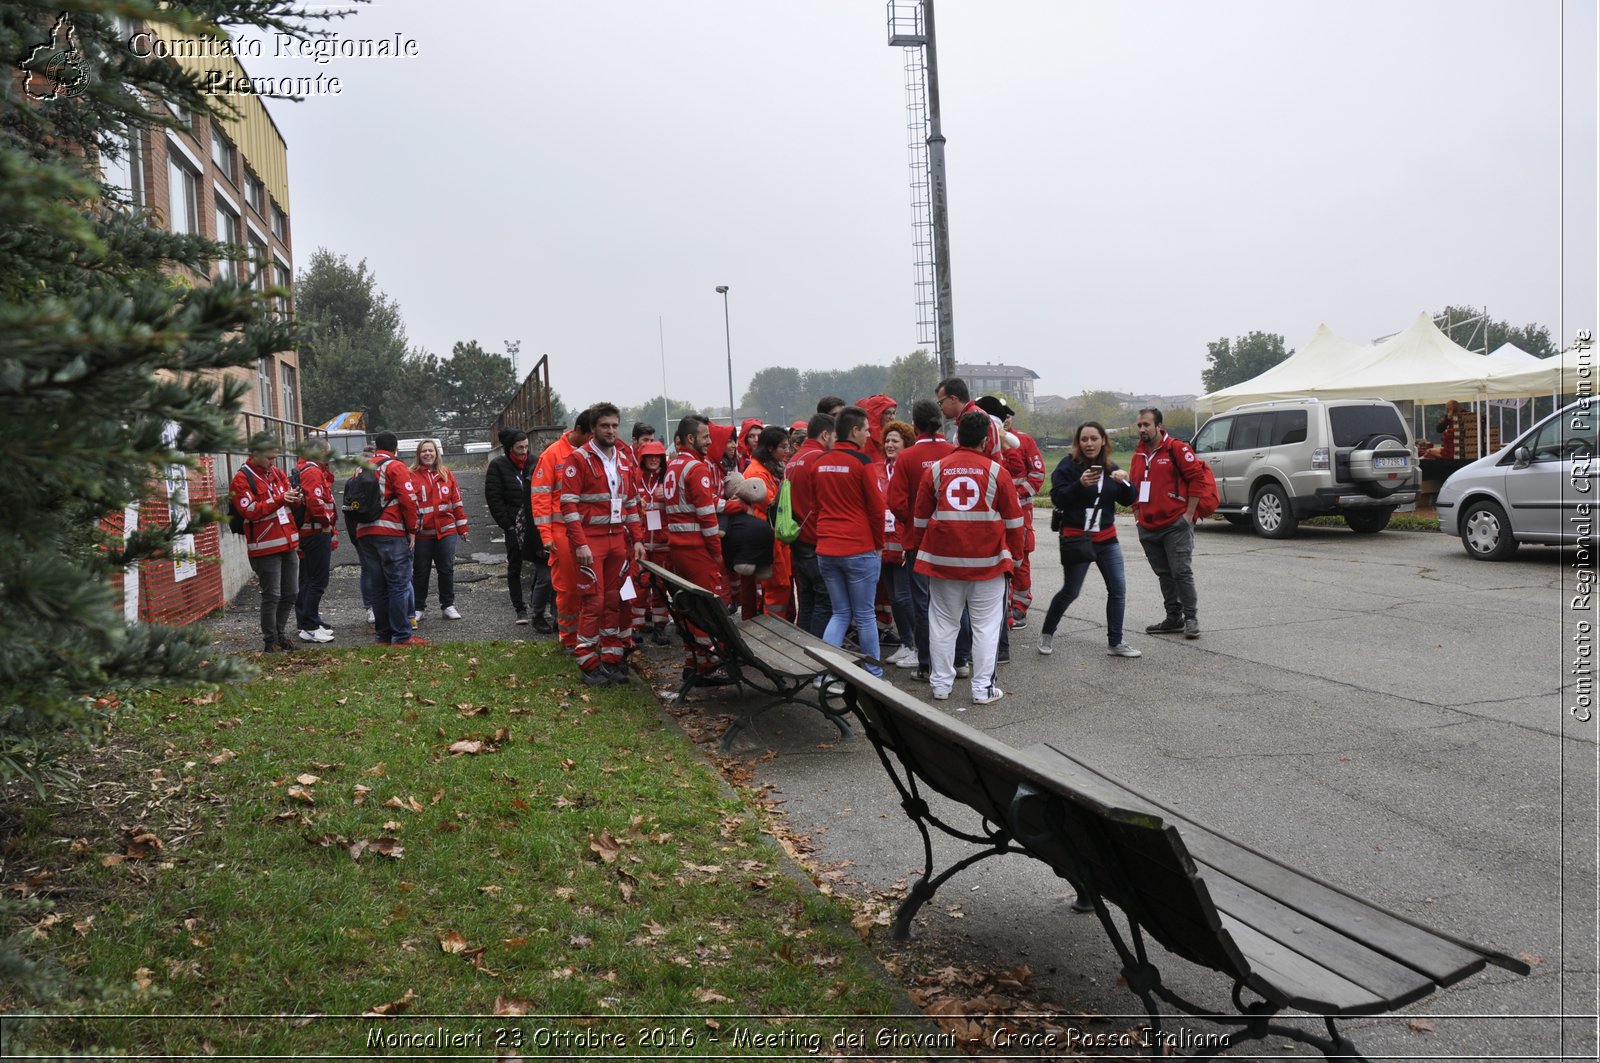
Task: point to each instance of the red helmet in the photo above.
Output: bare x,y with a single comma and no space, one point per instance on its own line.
654,446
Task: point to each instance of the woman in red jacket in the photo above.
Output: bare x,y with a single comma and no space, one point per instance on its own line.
894,582
441,529
652,511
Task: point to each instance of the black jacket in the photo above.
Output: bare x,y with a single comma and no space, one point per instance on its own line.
1074,500
506,491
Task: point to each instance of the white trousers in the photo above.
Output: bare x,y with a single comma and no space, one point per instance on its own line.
984,601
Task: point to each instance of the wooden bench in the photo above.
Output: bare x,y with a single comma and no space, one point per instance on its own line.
1286,937
768,655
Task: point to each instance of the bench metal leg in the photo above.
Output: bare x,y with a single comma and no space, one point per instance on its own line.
787,698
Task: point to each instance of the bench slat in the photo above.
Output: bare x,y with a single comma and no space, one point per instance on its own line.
786,657
1306,984
1442,960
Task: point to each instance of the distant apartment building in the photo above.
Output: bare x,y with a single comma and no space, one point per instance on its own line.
1015,382
225,178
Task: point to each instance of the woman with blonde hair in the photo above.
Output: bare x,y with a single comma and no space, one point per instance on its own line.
443,523
1085,489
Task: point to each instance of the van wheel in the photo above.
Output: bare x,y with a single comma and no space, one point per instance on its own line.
1270,514
1368,521
1486,533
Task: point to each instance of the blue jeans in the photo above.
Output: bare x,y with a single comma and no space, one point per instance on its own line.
392,586
853,579
317,551
430,554
815,608
919,618
1107,558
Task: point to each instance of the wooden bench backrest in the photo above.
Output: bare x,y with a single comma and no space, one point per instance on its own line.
1129,856
703,609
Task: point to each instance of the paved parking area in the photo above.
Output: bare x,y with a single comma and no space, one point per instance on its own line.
1381,711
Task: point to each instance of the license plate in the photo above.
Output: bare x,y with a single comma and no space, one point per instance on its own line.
1391,463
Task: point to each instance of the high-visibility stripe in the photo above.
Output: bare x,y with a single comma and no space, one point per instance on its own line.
963,562
393,525
545,518
970,514
683,528
546,489
265,546
1014,522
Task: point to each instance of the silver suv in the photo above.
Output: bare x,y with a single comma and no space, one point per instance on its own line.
1276,462
1539,489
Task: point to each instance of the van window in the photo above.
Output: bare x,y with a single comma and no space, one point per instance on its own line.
1250,430
1288,426
1353,425
1559,440
1214,436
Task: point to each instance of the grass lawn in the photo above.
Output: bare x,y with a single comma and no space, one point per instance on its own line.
458,838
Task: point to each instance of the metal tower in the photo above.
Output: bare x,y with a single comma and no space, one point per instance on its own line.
911,29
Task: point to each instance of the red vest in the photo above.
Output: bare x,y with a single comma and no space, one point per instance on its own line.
692,489
269,526
910,467
320,512
968,518
448,514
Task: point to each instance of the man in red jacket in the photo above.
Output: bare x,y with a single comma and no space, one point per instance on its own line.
1167,478
319,537
385,544
261,493
814,607
849,508
968,531
600,516
692,489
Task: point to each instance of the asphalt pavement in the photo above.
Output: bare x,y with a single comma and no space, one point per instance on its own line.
1380,711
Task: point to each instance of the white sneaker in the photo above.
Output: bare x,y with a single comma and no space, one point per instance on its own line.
994,695
371,618
941,695
908,660
1044,642
452,613
324,630
1122,649
416,619
963,671
310,636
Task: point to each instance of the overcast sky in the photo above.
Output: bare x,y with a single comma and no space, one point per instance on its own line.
1128,180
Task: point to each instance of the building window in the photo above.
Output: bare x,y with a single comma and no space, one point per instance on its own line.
280,224
291,404
183,197
260,263
254,194
125,171
225,155
285,280
227,233
264,384
180,112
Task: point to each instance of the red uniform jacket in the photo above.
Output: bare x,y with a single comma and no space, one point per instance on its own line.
910,466
543,494
849,503
1033,464
269,526
321,515
1172,473
449,513
692,488
968,519
401,512
589,505
893,548
653,499
801,502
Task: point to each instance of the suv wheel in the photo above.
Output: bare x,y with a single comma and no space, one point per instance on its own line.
1270,514
1486,533
1368,521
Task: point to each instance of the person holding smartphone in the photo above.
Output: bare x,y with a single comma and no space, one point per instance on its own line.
1086,488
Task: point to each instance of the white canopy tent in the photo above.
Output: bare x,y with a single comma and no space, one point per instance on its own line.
1325,357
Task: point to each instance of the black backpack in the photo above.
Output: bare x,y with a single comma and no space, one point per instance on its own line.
363,493
235,518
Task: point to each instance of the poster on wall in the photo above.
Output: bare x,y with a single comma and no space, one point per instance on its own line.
184,564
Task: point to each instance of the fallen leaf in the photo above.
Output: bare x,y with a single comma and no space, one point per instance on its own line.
141,979
307,779
394,1007
112,861
580,941
467,745
711,996
1420,1025
606,847
223,757
300,793
387,847
568,764
468,709
504,1005
490,890
410,804
142,845
452,942
376,769
361,794
83,925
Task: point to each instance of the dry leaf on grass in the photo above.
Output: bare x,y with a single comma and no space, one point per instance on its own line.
606,846
307,779
141,979
142,844
711,996
300,793
222,757
452,942
394,1007
409,804
504,1005
469,746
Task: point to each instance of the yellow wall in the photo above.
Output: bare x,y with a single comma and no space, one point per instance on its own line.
253,130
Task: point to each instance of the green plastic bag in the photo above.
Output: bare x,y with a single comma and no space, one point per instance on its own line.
783,522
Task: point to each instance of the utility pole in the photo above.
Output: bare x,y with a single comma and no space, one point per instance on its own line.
941,206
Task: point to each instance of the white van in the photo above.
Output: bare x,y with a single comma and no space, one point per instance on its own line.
1540,488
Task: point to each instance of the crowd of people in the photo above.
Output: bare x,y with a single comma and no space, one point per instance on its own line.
860,527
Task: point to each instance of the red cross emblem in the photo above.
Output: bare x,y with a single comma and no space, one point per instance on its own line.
962,493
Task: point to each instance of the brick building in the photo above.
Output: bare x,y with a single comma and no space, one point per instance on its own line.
1015,382
227,179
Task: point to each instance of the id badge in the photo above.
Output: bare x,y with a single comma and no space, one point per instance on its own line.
284,518
888,521
1144,490
616,510
652,519
628,593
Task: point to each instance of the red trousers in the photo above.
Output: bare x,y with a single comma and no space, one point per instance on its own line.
564,585
600,623
1022,575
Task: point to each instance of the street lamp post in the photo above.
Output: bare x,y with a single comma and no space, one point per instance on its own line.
727,334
